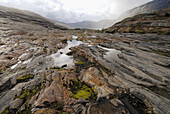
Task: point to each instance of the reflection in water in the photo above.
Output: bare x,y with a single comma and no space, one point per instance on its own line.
91,37
74,37
111,54
60,58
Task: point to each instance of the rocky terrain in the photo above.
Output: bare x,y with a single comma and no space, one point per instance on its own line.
158,22
46,70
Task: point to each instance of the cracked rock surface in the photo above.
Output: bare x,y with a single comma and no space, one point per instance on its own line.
110,73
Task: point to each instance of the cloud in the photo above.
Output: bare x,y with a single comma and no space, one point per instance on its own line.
75,10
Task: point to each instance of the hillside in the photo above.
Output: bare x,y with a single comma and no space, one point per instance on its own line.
30,17
149,7
157,22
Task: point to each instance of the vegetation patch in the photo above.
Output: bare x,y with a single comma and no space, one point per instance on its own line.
54,105
27,110
79,63
45,50
80,90
163,53
140,32
1,72
25,77
27,94
80,39
137,104
6,111
64,41
56,68
167,33
100,31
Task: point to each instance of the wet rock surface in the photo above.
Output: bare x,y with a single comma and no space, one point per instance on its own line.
111,73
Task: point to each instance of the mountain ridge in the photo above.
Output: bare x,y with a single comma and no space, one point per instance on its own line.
157,22
93,24
149,7
29,16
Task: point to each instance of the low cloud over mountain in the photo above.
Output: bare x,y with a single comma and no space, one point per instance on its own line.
75,10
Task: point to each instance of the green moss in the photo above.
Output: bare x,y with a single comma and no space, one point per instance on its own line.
163,53
137,103
27,110
75,86
167,33
52,50
27,94
140,31
56,68
100,31
45,50
5,111
80,63
82,94
81,90
1,71
25,77
34,90
64,41
80,39
54,105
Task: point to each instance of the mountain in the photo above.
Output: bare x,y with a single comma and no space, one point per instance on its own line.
157,22
149,7
93,25
30,17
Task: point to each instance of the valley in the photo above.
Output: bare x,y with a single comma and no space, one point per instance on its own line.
47,69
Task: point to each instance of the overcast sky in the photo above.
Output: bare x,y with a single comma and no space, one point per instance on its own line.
75,10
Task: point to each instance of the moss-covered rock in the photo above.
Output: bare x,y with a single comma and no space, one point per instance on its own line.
80,63
45,50
27,94
64,41
1,71
27,110
140,32
25,77
80,90
5,111
54,105
163,53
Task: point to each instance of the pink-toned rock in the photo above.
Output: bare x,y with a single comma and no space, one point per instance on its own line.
56,92
94,78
